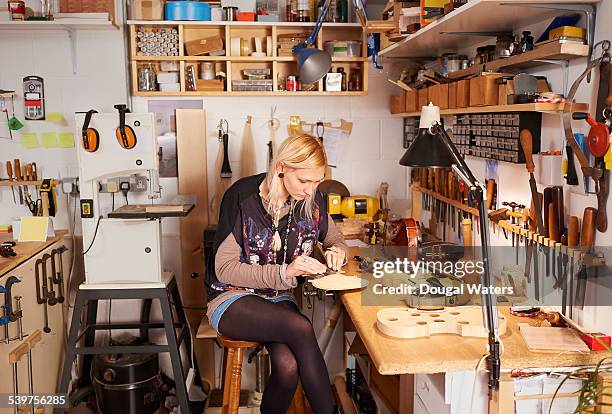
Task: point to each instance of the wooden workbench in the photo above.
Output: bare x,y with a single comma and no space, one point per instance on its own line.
26,250
439,353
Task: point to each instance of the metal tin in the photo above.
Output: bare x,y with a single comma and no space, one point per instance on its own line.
291,84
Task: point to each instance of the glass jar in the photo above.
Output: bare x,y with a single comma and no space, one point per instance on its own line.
354,83
207,70
147,78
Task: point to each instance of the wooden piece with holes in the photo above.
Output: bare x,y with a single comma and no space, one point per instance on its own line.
411,323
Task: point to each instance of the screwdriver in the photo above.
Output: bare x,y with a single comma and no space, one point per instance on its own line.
9,173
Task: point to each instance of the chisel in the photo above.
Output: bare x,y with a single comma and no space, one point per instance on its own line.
17,170
587,237
572,242
527,145
9,173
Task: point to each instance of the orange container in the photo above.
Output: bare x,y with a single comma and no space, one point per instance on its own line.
246,16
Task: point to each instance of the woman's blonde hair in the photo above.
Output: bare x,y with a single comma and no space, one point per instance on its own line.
300,151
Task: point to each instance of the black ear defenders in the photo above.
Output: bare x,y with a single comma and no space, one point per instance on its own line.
124,133
89,136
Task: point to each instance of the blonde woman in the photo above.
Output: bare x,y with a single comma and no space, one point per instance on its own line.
268,227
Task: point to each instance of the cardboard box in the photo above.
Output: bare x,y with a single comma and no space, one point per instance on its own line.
397,103
452,95
412,101
484,90
147,10
438,95
423,98
201,46
463,93
210,85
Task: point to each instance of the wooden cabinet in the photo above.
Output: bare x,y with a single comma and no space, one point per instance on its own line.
239,39
47,355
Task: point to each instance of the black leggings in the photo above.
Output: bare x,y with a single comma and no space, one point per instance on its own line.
294,352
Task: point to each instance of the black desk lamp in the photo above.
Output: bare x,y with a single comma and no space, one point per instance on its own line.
433,148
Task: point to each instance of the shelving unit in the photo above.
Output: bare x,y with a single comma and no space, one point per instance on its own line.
530,107
280,66
549,51
452,31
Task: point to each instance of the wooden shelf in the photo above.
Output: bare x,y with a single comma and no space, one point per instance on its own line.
549,51
249,93
224,23
475,16
280,66
60,24
6,183
529,107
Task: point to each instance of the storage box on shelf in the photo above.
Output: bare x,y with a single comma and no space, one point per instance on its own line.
236,46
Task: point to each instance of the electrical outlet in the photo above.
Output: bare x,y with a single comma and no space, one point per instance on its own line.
140,183
112,187
70,185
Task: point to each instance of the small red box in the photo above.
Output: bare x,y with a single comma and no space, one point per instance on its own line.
246,16
595,344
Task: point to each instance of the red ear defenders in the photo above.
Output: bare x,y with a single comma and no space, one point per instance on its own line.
124,133
89,136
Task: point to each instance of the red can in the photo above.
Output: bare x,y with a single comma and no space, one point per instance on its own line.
17,9
292,83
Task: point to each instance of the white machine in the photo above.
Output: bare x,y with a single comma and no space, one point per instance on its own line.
118,250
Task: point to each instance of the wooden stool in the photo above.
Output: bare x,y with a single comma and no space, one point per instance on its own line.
233,376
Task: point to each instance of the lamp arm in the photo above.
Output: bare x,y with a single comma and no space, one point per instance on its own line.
313,36
489,300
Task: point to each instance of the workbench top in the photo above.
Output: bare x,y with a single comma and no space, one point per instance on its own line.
26,250
444,353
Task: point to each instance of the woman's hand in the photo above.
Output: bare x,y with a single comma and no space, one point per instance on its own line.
334,256
305,265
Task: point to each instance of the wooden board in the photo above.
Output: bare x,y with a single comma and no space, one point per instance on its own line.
410,323
528,107
25,250
337,281
552,339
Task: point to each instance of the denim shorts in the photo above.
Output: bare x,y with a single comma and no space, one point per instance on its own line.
217,313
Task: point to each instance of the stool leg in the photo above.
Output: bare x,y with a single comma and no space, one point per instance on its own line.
227,380
71,346
236,378
175,355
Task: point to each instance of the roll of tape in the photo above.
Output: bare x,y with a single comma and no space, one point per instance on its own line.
235,46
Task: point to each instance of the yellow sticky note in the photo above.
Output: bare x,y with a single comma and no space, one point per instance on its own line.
49,139
29,140
55,117
66,140
33,229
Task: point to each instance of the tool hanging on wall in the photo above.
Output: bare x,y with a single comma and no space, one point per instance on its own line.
247,153
598,172
273,126
58,271
34,98
14,356
48,197
124,133
42,292
8,314
11,177
222,165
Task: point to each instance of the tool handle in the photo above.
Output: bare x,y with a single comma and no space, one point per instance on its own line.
29,172
533,221
558,200
602,196
18,352
490,192
9,170
579,116
44,196
17,168
553,230
587,235
548,198
572,231
527,145
34,172
466,231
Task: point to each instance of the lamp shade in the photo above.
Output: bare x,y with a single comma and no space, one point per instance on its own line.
428,150
312,63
